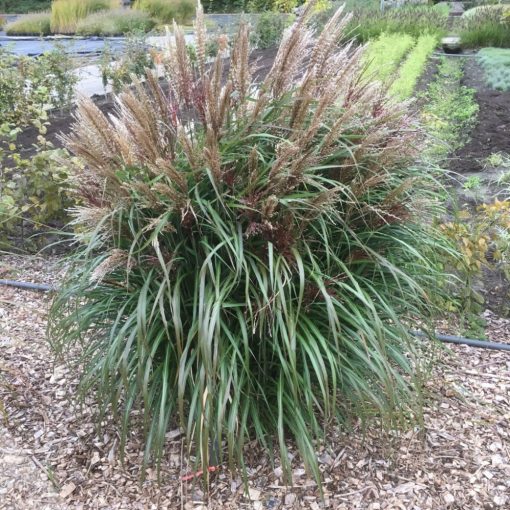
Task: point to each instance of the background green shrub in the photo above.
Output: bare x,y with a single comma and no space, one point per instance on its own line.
24,6
225,5
273,5
269,29
166,11
30,24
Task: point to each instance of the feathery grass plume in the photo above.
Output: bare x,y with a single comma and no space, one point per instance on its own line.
269,255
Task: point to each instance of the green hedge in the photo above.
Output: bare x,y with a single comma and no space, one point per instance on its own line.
23,6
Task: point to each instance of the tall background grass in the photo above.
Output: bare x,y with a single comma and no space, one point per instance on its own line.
37,23
65,14
484,26
115,22
412,20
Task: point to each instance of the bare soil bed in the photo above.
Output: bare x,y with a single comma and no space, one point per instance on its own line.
459,459
492,132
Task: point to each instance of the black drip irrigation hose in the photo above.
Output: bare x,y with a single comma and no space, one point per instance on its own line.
482,344
451,339
40,287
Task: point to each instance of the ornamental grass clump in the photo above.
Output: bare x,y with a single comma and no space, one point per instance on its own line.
65,14
36,23
252,254
484,27
115,22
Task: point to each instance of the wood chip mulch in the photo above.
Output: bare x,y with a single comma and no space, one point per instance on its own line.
53,457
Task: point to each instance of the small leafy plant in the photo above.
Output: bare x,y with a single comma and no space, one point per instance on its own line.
482,238
33,190
29,87
118,71
472,182
498,159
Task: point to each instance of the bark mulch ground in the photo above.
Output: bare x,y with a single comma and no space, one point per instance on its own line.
53,457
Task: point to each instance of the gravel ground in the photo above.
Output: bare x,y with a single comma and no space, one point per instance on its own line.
53,457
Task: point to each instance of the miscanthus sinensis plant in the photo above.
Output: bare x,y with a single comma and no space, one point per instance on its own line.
253,253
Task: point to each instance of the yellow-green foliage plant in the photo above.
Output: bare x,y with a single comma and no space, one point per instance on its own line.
168,11
37,23
482,238
413,67
65,14
385,54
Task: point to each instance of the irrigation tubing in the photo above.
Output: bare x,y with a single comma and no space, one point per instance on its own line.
451,339
40,287
482,344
